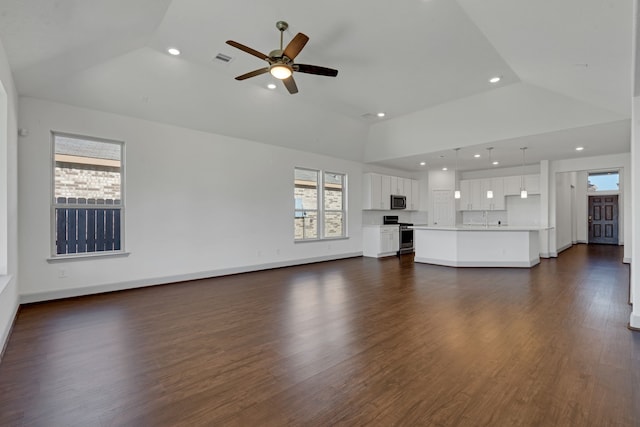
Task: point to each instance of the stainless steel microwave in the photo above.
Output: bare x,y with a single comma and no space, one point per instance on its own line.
398,202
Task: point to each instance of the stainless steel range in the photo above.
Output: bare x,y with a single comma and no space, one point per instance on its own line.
406,233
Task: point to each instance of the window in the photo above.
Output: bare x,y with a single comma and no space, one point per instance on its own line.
306,204
334,212
87,206
604,181
311,205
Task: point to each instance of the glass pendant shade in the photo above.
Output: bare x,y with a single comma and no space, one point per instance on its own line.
523,190
280,71
456,193
490,192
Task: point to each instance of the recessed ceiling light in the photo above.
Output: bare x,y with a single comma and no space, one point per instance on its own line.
495,79
579,148
496,163
423,163
476,155
271,86
381,114
445,169
173,51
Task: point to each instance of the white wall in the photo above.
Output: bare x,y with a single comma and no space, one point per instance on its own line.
533,169
8,200
634,319
564,211
582,207
197,204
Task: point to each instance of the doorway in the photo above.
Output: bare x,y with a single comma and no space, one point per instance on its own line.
603,220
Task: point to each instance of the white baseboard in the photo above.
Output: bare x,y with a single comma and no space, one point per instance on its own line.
4,339
634,321
563,248
448,263
153,281
4,281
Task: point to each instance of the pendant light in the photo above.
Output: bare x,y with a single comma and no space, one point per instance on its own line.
523,190
490,191
456,193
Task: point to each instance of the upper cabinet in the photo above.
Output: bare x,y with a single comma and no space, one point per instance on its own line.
496,185
473,194
512,184
377,190
397,185
532,184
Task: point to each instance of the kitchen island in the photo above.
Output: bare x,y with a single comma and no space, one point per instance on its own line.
477,246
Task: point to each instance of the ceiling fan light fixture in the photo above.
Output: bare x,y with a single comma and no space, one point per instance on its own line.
281,71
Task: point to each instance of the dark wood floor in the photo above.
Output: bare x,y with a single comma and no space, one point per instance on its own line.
352,342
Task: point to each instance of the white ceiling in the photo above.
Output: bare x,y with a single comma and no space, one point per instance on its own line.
393,57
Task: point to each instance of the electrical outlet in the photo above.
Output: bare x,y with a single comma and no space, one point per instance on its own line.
62,273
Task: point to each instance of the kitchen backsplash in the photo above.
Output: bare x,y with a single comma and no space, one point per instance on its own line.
413,217
478,217
519,212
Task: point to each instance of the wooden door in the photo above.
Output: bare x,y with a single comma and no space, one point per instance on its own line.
603,219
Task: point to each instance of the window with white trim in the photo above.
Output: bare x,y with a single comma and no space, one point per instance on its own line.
87,206
319,214
603,181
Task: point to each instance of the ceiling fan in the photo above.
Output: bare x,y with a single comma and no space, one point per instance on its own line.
281,65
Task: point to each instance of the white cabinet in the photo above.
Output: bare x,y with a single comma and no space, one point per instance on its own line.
397,185
377,190
473,194
513,184
380,240
497,203
389,240
532,184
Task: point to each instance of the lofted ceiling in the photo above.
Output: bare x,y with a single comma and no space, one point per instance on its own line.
399,58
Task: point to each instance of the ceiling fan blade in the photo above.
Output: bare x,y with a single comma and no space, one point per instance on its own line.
253,73
290,84
295,46
315,69
247,49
